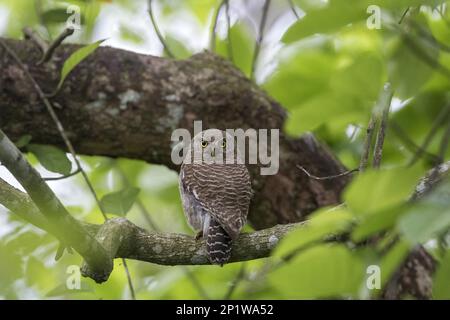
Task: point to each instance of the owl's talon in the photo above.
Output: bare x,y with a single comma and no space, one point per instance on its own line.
199,235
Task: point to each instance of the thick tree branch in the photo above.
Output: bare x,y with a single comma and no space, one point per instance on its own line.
122,104
123,239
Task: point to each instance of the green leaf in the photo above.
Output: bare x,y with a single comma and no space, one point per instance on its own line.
340,13
23,141
321,224
376,190
324,271
51,158
424,221
76,58
242,46
120,202
428,217
374,223
336,15
392,260
441,283
345,96
308,71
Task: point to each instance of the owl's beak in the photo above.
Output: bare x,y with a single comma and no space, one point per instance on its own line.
213,152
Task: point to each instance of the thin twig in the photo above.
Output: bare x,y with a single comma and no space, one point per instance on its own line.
437,123
55,44
368,142
130,283
239,277
212,39
158,32
386,99
60,129
294,11
63,177
260,38
404,15
343,174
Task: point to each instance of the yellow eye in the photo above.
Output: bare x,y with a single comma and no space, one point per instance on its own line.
204,144
224,143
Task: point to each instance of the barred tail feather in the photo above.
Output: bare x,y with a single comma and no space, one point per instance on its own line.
218,244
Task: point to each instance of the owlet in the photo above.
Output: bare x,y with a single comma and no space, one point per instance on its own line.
215,191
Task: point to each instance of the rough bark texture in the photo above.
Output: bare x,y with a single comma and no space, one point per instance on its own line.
122,104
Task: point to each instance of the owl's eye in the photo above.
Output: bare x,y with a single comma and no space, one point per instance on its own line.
224,143
204,144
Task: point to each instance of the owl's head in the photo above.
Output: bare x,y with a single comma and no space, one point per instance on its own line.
214,146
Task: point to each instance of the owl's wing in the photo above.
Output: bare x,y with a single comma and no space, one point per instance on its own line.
223,191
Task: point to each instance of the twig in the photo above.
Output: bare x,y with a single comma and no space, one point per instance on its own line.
386,99
130,283
63,177
260,37
294,11
442,116
55,44
212,41
368,142
60,129
343,174
158,32
444,144
404,15
239,277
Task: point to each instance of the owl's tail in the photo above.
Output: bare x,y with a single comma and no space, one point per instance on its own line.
218,244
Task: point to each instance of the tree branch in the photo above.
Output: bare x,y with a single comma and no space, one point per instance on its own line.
123,239
133,116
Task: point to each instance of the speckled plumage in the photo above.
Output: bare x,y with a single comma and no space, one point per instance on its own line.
216,199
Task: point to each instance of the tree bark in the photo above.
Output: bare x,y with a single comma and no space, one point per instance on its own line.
122,104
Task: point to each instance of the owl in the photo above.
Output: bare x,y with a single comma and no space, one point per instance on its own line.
215,194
